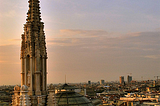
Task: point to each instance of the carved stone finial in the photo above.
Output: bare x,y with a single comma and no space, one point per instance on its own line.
16,88
51,87
24,88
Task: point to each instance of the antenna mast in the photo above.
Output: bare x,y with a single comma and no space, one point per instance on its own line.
65,78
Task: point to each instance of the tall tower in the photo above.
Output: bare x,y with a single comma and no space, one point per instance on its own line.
33,52
129,78
121,79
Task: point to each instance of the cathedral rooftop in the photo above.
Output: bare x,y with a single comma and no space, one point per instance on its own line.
67,87
67,98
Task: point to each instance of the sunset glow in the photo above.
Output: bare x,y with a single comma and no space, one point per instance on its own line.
86,39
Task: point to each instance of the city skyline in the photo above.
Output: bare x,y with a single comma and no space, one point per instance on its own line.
86,40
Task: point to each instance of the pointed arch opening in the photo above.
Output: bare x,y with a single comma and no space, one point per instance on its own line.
28,70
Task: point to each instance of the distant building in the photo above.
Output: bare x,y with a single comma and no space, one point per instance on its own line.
89,82
121,79
101,81
129,79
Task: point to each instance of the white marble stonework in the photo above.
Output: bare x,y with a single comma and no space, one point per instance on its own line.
34,56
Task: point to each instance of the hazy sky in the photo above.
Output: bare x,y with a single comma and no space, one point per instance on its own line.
86,39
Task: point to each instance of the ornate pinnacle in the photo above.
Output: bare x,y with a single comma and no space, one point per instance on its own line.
33,14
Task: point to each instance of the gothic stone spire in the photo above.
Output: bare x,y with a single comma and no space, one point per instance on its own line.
33,37
33,52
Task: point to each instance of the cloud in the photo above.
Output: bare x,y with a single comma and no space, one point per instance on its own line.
9,54
70,33
15,40
62,41
105,57
101,54
152,56
10,13
12,9
71,37
10,64
9,42
3,61
131,44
